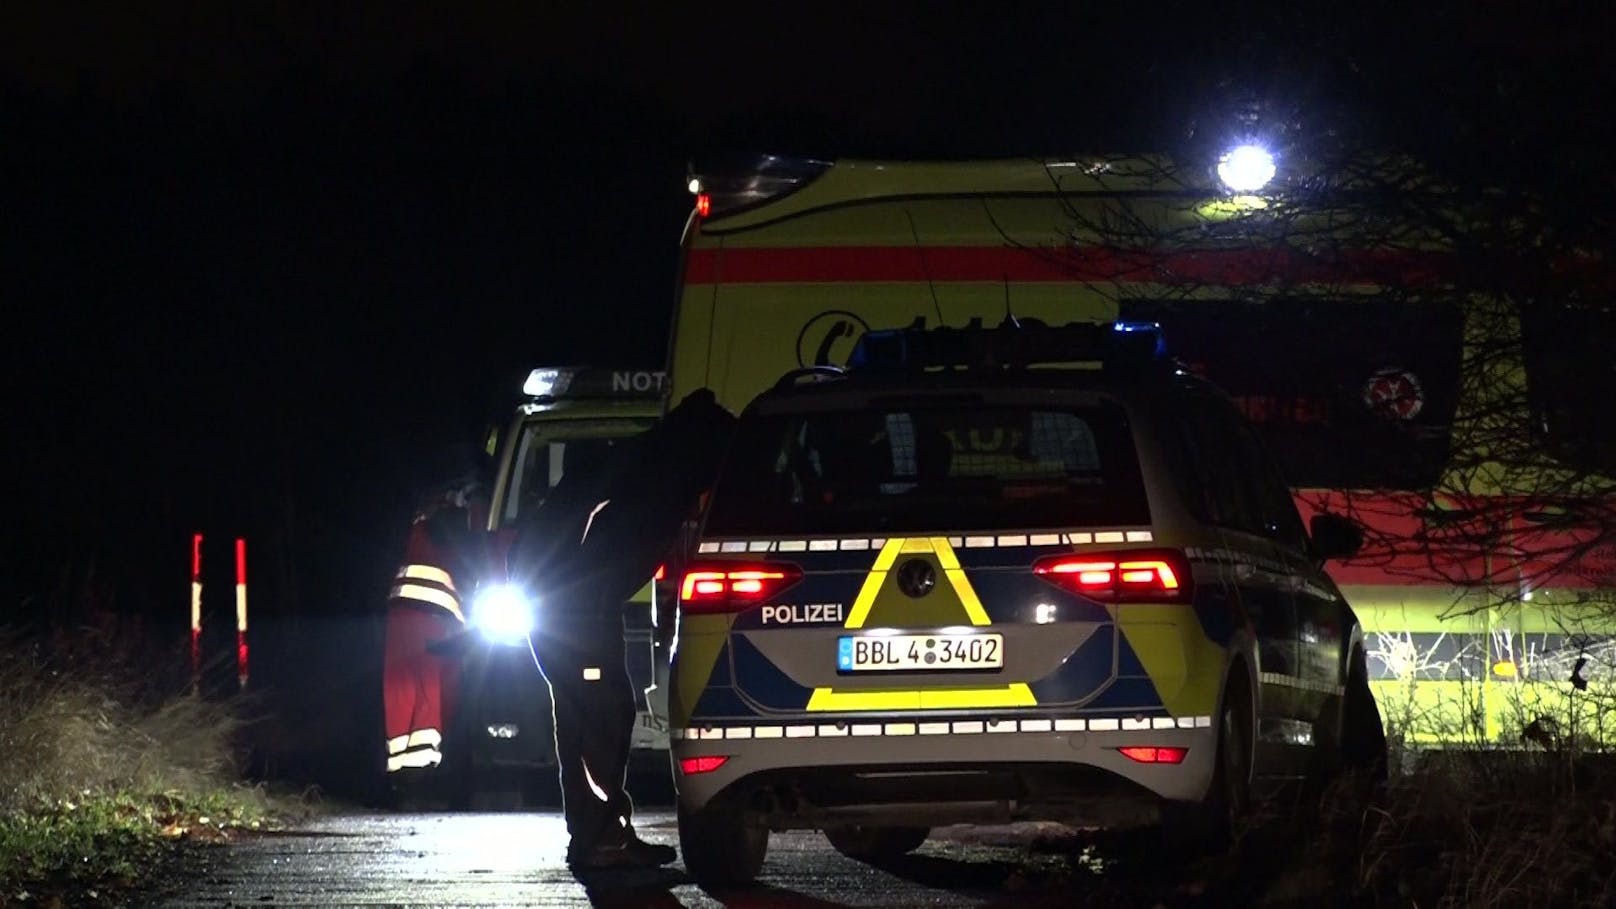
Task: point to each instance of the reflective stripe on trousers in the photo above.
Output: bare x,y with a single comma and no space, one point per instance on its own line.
417,749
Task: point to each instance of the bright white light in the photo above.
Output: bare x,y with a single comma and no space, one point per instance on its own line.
1045,614
544,383
694,185
1246,168
502,613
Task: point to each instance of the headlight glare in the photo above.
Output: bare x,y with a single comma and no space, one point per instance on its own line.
502,613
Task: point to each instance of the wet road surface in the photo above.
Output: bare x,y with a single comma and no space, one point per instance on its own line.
517,860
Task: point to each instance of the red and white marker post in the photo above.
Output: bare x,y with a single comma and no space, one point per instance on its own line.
241,612
196,613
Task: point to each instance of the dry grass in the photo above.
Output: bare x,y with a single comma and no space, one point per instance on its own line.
81,720
1449,830
102,765
1492,829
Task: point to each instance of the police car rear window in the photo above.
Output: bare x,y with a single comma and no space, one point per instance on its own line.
930,468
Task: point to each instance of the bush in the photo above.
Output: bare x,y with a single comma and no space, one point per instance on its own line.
102,765
1484,828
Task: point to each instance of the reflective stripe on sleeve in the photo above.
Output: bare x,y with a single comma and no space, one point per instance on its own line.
431,595
427,573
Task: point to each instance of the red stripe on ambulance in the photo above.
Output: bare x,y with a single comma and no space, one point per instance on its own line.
1225,267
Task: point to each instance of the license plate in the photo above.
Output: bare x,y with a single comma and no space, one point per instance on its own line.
928,652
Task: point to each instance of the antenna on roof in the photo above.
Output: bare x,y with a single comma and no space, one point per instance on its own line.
1009,317
921,252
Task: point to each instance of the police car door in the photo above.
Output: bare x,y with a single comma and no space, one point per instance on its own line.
1321,611
1257,572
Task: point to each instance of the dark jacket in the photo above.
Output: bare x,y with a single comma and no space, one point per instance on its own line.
605,528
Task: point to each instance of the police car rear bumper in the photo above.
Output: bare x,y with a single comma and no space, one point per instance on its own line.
945,771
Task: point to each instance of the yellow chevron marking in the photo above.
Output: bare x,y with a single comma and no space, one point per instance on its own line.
700,642
872,583
1014,694
875,582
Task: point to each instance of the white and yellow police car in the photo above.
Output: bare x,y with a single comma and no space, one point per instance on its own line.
998,574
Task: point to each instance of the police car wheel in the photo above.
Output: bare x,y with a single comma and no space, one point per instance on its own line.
876,843
1363,737
1191,829
722,845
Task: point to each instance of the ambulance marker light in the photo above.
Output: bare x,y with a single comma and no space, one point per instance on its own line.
1154,754
705,763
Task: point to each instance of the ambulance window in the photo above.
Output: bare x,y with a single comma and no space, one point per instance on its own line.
1426,656
1187,465
1570,380
1346,393
931,468
1280,520
1554,656
1226,493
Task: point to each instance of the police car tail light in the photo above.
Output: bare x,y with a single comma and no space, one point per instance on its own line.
705,763
1143,575
1154,754
733,586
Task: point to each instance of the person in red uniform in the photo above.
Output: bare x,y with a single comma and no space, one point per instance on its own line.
424,610
592,543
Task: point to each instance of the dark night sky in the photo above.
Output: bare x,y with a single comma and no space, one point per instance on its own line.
262,263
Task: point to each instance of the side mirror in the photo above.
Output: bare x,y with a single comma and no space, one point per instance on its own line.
1335,537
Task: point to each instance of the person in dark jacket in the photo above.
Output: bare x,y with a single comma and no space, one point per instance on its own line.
594,541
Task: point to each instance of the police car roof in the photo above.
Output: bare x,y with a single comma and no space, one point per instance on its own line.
826,389
1111,357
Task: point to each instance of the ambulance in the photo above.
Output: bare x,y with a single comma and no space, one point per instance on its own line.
1484,604
568,416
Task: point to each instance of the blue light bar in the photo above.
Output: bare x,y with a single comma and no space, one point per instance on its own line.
1144,334
1111,344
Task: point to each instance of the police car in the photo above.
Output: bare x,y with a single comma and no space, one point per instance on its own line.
999,574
